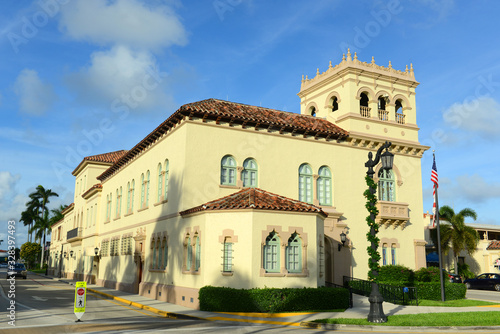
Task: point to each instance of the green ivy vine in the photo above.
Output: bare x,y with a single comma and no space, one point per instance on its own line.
374,256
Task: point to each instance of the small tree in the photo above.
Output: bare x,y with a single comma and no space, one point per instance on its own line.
30,252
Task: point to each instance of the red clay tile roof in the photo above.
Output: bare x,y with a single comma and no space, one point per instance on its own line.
67,208
255,198
111,157
237,113
493,245
95,186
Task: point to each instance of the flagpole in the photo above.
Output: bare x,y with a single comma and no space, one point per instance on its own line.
436,218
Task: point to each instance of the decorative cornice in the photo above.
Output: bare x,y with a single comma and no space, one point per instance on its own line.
355,66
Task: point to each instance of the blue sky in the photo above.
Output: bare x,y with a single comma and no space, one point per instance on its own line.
83,77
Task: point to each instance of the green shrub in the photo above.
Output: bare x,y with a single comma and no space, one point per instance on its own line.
222,299
430,274
391,274
432,290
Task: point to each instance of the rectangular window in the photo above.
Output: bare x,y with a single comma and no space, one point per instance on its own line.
384,256
308,189
228,257
232,176
293,259
393,255
271,258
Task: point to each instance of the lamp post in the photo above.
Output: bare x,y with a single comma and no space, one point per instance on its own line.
343,239
376,310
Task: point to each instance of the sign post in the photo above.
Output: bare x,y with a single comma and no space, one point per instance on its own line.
80,299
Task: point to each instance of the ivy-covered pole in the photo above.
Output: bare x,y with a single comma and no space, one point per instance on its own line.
376,310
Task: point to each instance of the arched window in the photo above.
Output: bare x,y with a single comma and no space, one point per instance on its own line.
167,168
335,104
386,190
227,255
312,111
383,114
120,205
107,207
294,254
305,183
384,254
363,102
160,183
400,116
165,253
189,254
272,253
117,213
128,197
147,188
249,173
197,253
381,103
143,187
228,171
393,254
363,105
324,186
159,262
132,196
153,250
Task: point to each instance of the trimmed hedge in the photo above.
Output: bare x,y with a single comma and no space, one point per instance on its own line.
425,290
222,299
430,274
432,290
391,273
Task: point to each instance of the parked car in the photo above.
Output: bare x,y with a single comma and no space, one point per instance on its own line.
484,281
3,265
454,278
19,270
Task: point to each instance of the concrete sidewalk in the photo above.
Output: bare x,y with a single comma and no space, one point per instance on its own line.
360,310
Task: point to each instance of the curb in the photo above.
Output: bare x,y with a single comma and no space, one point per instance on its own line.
162,313
317,325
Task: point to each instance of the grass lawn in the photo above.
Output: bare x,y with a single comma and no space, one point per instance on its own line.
38,271
455,303
487,318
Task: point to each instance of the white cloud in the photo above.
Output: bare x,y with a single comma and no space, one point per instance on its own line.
124,22
7,184
123,74
480,116
35,96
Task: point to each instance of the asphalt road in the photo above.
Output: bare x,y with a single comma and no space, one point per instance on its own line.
43,305
486,295
46,306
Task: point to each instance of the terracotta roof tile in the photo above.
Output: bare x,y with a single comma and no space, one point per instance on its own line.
255,198
111,157
493,245
95,186
236,113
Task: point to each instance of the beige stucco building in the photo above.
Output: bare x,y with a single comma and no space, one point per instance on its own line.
228,194
485,259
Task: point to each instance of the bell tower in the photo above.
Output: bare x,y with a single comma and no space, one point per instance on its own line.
364,98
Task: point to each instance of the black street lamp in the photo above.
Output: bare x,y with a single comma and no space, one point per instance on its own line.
376,310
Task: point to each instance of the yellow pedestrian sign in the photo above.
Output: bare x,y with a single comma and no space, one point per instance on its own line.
80,299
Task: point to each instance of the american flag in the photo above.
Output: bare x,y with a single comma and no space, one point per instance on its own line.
434,179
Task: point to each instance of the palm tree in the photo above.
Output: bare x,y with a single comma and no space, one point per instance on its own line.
455,234
39,200
28,217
